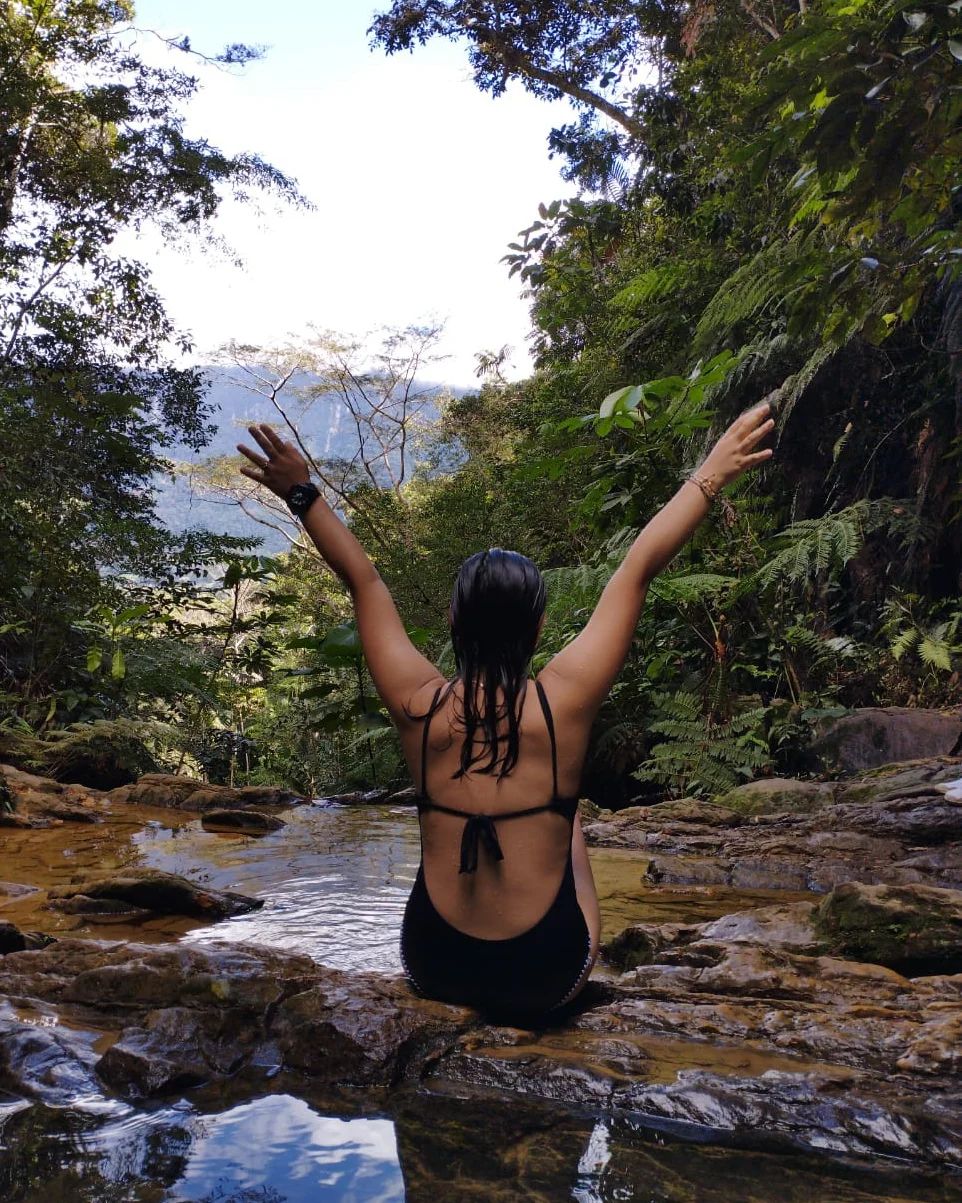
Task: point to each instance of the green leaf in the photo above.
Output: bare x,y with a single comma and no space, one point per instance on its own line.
117,666
614,401
95,656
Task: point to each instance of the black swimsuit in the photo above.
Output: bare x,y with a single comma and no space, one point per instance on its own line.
522,976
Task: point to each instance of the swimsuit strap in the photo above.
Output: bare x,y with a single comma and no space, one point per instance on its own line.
424,742
549,722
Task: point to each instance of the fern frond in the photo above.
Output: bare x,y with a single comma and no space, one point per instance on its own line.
935,652
826,544
686,588
763,281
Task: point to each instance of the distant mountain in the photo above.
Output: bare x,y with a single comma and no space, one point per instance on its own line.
324,424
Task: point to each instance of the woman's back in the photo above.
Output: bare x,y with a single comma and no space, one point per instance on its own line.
472,888
495,918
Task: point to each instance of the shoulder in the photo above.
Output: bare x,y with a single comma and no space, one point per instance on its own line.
565,697
421,700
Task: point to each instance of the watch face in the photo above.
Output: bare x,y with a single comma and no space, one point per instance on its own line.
300,497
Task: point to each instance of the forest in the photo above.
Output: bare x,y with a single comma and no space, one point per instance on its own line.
226,972
764,202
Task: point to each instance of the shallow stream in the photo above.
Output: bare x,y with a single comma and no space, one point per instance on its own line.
335,880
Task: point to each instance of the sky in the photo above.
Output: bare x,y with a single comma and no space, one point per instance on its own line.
418,179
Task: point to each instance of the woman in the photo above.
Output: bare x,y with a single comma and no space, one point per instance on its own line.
503,915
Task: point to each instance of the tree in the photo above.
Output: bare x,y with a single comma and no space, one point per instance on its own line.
92,143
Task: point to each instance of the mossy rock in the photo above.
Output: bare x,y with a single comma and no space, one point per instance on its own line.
916,930
778,795
102,755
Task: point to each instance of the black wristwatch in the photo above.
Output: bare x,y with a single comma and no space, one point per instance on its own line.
301,497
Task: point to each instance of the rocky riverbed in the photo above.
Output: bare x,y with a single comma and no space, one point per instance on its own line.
783,973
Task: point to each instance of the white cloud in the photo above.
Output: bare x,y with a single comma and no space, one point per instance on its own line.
419,182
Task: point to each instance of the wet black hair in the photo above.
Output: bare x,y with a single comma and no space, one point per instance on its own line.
496,608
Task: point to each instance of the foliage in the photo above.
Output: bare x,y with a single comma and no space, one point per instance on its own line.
91,390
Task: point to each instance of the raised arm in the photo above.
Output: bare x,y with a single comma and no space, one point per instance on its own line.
398,669
583,672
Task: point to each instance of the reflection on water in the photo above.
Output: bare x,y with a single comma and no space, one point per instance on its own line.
282,1149
335,881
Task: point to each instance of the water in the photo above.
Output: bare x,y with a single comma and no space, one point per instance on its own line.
335,881
281,1148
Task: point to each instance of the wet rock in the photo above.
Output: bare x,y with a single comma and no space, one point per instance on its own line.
362,1030
114,976
244,822
903,827
187,793
48,1063
915,929
752,1042
156,891
42,801
875,736
12,939
779,795
788,1103
177,1048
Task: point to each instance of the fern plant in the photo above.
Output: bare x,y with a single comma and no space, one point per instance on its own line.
930,635
823,545
700,755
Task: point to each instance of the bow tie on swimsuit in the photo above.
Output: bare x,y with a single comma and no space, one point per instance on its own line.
476,829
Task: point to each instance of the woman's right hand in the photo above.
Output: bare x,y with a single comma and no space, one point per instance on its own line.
735,453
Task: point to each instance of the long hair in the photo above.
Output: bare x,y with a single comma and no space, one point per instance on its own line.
496,607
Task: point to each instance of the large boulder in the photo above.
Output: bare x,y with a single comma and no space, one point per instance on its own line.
863,739
150,890
899,828
35,801
915,929
779,795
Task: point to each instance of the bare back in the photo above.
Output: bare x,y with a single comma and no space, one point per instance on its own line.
503,897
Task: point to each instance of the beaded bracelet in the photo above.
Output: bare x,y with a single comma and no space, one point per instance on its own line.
708,489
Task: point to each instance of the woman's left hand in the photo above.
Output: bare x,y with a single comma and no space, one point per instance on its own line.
282,466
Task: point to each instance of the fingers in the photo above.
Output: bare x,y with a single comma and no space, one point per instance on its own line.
756,435
259,433
256,476
275,442
758,457
252,456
